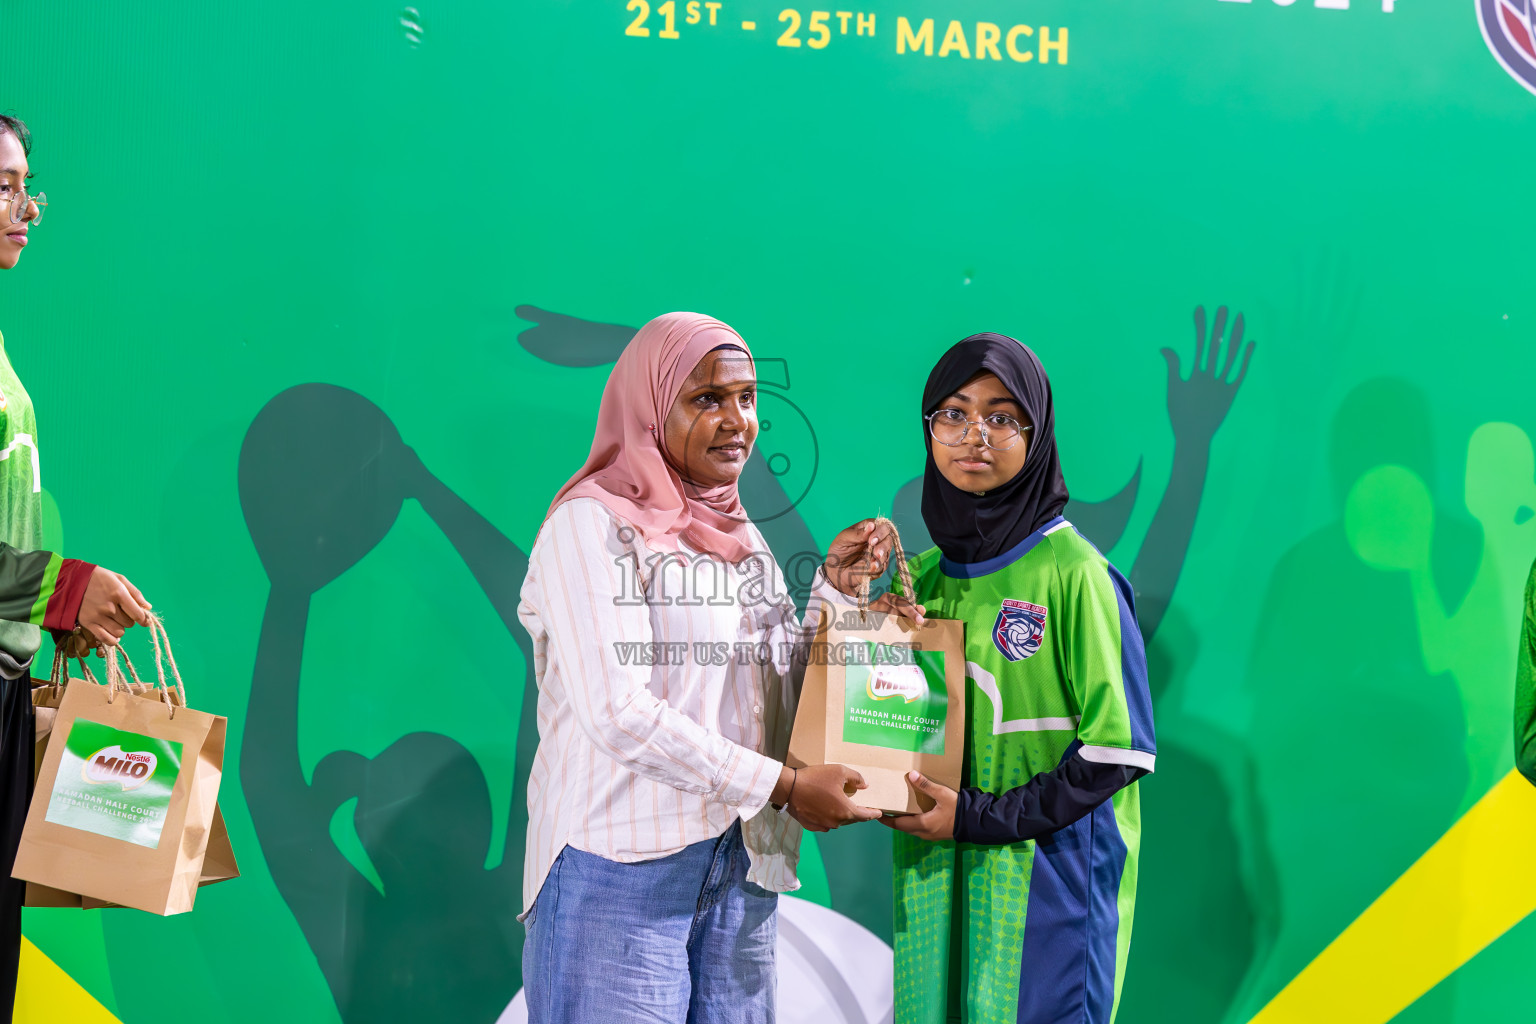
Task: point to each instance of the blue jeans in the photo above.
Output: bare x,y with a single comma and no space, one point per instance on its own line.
681,940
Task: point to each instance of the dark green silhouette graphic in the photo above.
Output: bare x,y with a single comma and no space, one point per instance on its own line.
1341,700
1390,519
323,476
568,341
1204,907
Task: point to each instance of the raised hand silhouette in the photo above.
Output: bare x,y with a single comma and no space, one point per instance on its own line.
323,476
1196,408
1197,405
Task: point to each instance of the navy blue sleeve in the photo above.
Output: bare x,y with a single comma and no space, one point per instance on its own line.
1047,802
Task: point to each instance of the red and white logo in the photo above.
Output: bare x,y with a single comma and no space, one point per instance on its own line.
1019,629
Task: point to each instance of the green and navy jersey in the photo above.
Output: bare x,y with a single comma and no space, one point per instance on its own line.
1055,668
37,588
1525,686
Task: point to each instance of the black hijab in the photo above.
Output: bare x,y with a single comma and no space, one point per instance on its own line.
973,528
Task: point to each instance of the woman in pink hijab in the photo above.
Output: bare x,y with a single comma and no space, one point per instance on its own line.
662,822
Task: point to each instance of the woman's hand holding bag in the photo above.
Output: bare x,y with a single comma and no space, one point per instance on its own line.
858,556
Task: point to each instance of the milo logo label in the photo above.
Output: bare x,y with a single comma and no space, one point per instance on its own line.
130,769
904,681
895,697
114,783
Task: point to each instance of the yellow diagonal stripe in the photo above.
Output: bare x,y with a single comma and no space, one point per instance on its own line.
1477,882
47,995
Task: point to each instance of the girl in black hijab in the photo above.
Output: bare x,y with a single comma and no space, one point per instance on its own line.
1019,888
973,527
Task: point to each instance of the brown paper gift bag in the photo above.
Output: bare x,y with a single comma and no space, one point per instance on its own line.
884,697
126,804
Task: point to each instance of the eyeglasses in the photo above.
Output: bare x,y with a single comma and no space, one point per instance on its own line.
950,427
21,201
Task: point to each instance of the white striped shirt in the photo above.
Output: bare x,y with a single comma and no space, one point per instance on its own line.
647,742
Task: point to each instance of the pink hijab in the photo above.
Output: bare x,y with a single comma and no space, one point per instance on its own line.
626,469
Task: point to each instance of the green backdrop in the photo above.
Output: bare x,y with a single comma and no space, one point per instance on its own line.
436,225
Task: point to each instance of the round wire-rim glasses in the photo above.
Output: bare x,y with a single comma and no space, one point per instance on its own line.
20,203
999,431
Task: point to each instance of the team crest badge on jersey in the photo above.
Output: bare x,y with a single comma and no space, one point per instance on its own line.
1019,629
1509,29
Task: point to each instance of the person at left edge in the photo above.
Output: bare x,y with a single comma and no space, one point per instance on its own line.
1525,686
38,589
662,822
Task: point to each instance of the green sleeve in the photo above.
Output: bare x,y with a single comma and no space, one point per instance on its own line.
1107,667
27,580
1525,686
40,588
